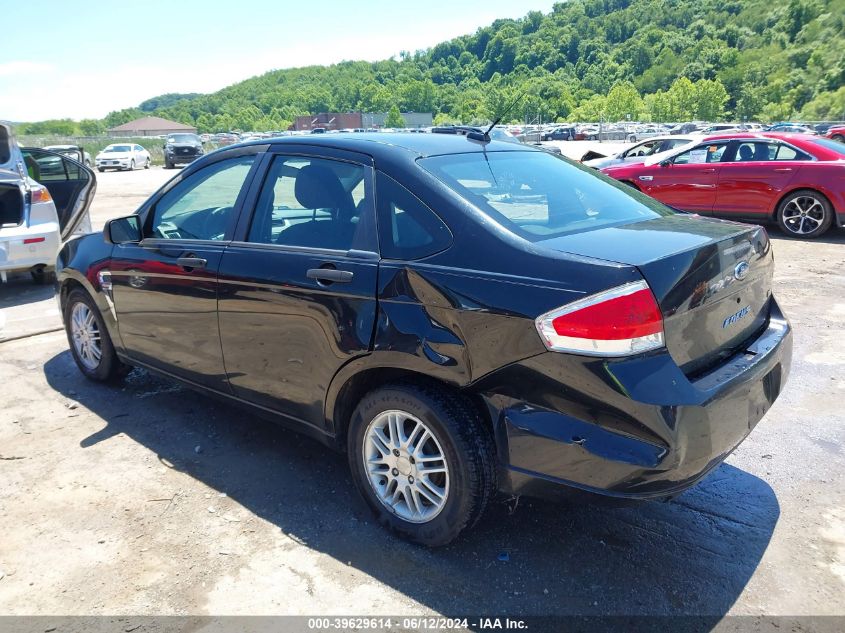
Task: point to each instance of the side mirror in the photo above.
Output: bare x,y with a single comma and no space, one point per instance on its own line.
123,230
666,163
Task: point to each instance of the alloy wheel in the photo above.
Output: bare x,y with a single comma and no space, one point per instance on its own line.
803,215
406,466
86,336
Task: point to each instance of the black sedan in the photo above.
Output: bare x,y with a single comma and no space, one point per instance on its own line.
459,316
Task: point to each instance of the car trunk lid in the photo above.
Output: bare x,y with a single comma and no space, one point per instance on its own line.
712,279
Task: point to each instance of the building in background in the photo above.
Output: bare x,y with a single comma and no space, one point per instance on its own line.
150,126
357,120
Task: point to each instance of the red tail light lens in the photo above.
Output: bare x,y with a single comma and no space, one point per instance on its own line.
617,322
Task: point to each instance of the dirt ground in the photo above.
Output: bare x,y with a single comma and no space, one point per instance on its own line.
150,499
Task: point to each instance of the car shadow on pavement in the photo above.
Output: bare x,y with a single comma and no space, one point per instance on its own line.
834,235
21,290
690,556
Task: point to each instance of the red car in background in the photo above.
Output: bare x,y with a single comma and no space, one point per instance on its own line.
796,180
837,133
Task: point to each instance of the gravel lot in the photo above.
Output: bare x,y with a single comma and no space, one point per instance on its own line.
151,499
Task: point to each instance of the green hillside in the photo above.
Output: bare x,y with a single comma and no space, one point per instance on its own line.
660,60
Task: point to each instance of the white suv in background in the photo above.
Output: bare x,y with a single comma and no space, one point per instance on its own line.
44,199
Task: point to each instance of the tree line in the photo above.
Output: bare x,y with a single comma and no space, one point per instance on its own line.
586,60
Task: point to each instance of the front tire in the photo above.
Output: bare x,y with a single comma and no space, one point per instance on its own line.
101,169
132,165
89,340
838,137
805,214
423,460
147,164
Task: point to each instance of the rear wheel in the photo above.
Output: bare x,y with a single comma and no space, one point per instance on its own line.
41,275
838,137
89,340
423,460
805,214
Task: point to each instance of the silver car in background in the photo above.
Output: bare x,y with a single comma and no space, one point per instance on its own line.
44,199
640,151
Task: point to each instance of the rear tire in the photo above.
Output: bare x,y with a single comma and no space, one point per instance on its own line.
805,214
838,137
439,483
89,340
41,275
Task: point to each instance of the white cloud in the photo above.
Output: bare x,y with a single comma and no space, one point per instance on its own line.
23,67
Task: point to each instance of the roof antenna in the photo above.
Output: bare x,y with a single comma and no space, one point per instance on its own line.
485,136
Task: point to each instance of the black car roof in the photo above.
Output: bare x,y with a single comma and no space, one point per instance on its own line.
385,143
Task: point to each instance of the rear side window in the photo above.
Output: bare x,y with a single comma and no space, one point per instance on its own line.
537,195
408,229
785,152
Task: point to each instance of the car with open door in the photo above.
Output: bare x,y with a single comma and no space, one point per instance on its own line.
795,180
461,316
39,210
639,152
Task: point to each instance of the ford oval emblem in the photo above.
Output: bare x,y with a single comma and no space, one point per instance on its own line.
741,270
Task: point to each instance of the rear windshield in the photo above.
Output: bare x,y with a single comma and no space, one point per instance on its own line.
539,196
830,144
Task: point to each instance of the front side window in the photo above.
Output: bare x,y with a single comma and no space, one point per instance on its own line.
539,196
202,206
311,202
703,154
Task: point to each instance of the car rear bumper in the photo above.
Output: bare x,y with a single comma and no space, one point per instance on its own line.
17,254
636,428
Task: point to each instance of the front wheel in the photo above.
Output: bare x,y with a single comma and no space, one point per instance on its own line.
423,460
132,165
838,137
805,214
89,340
147,164
101,169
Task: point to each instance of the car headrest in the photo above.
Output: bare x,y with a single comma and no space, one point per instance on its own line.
318,187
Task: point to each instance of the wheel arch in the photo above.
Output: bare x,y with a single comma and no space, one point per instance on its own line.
796,189
347,391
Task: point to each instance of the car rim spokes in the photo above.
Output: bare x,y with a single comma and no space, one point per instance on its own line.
86,336
406,466
803,215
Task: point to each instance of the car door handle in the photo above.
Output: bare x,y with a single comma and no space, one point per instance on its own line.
330,275
190,263
783,169
708,171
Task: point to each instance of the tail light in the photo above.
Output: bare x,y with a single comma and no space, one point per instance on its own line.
617,322
40,194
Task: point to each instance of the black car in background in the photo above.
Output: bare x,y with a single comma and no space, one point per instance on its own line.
181,149
460,317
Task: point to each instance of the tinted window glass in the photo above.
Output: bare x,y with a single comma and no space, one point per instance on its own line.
201,207
754,152
310,202
538,195
408,229
711,153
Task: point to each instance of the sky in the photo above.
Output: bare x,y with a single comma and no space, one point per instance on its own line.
85,59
